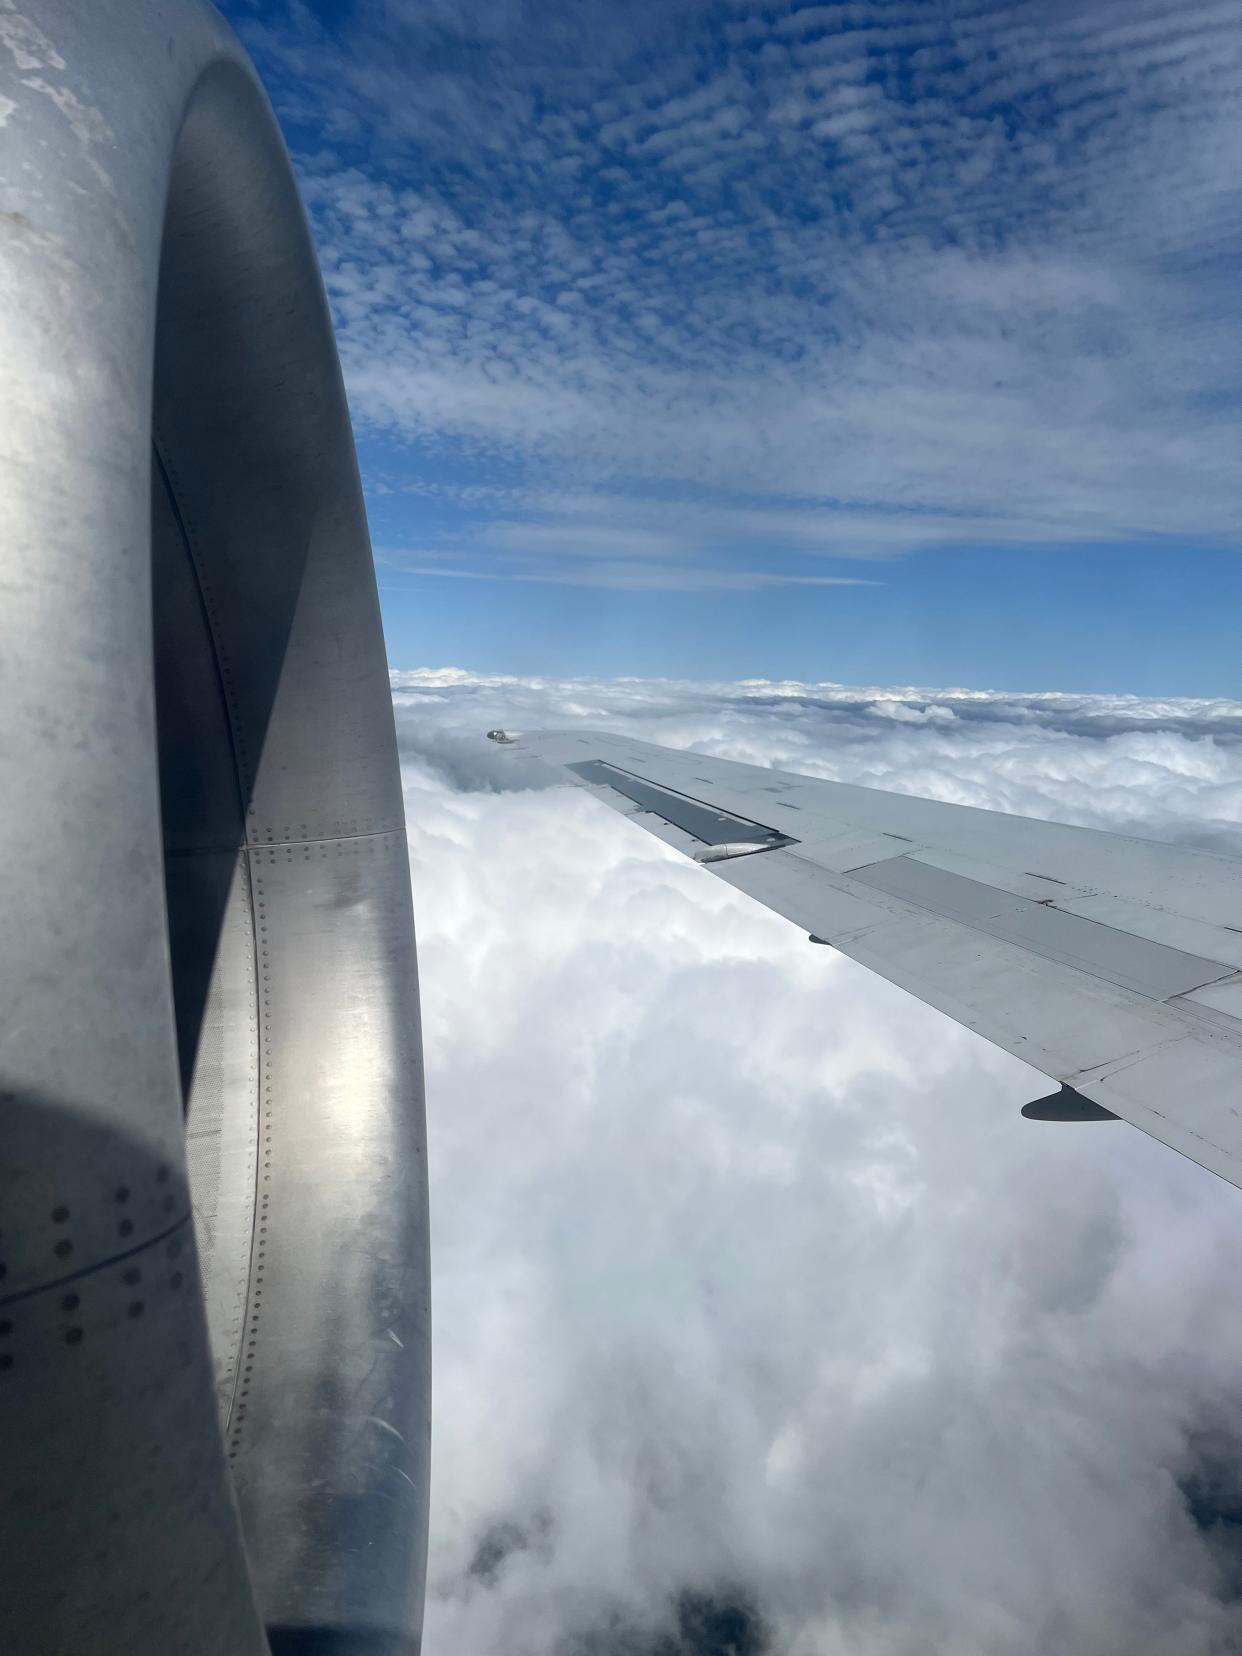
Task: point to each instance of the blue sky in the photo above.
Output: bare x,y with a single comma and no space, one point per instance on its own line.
870,342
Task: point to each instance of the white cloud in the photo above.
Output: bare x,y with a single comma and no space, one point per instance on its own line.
751,1282
571,557
923,275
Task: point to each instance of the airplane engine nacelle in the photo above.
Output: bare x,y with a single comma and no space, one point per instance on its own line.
214,1320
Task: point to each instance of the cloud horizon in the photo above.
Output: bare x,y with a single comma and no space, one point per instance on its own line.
763,1322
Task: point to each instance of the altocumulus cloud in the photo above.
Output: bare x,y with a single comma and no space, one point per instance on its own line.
763,1322
679,285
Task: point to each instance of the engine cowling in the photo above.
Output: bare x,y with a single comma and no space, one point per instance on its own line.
214,1364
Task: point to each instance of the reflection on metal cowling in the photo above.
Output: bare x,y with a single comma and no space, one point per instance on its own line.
207,961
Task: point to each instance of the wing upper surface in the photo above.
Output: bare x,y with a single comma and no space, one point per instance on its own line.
1113,964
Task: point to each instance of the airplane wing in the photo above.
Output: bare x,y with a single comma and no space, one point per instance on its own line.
1111,963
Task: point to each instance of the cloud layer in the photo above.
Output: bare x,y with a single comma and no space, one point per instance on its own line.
763,1321
687,287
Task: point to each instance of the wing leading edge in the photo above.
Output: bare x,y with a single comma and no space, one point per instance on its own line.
1112,964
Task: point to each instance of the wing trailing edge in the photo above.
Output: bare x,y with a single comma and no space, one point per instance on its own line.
1113,964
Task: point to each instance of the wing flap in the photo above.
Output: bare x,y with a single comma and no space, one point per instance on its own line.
1185,1093
1152,969
1099,1038
1108,962
706,822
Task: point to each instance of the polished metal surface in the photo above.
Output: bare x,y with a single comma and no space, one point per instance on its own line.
207,962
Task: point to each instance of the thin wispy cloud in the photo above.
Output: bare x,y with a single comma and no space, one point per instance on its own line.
617,574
